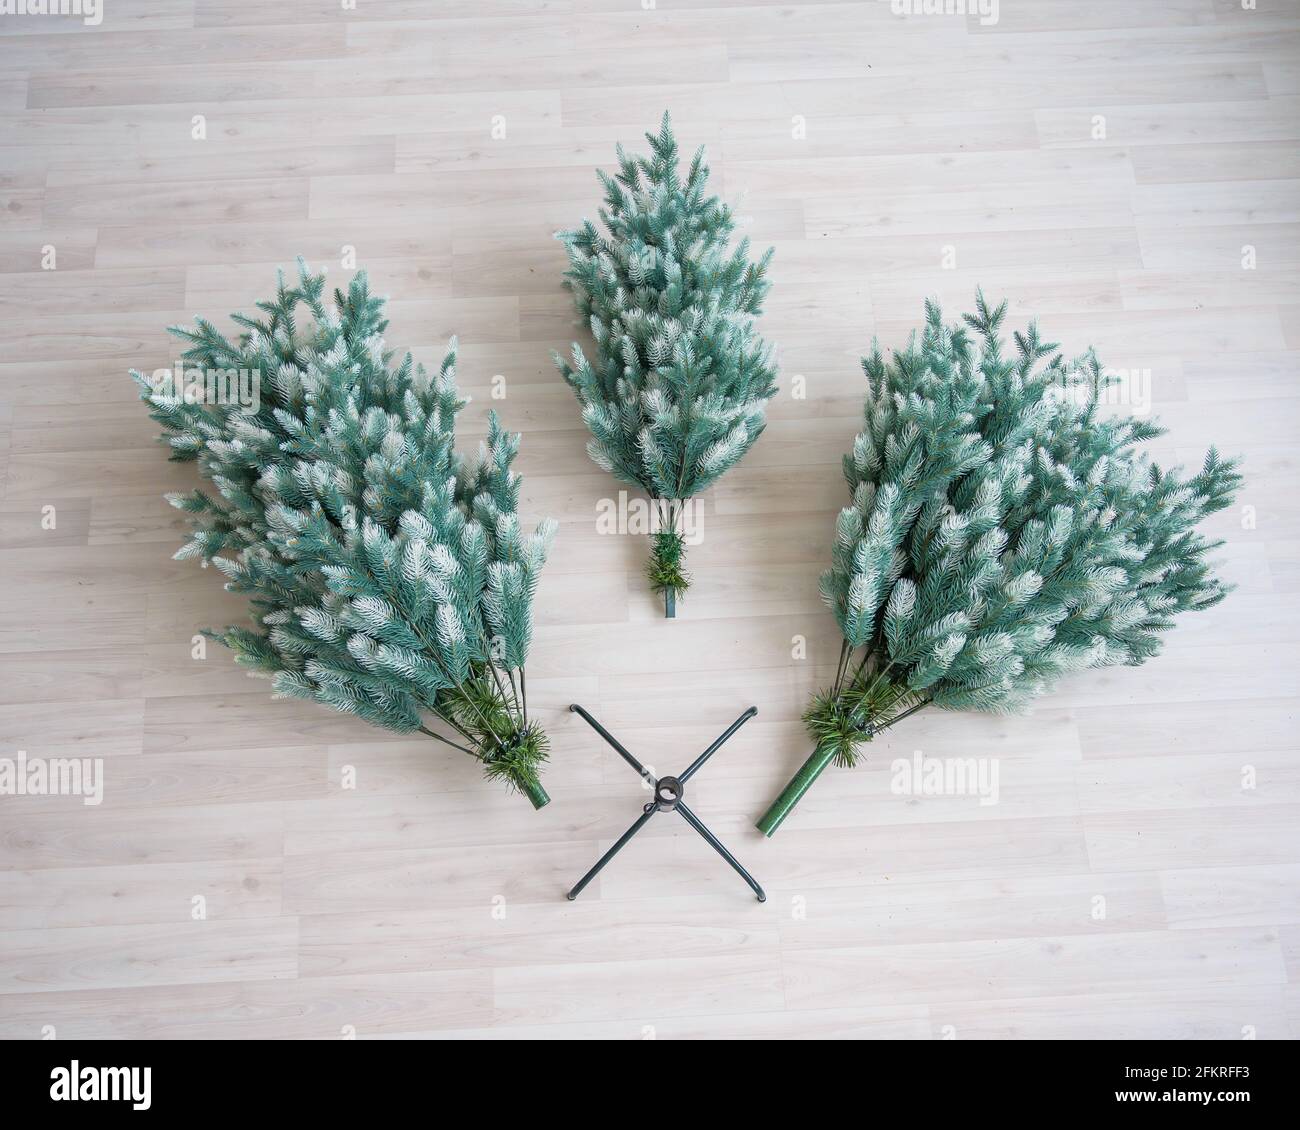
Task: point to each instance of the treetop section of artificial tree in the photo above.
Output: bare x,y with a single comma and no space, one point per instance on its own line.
388,577
678,387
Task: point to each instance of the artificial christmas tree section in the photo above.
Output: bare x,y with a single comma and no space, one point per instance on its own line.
388,578
1002,533
678,389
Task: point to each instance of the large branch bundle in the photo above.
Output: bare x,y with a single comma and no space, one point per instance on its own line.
1002,533
388,579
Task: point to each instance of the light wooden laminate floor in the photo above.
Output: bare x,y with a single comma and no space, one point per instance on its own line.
1126,172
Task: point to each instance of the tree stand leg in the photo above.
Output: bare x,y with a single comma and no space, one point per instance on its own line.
668,792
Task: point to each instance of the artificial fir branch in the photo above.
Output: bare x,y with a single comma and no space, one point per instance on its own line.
439,738
388,578
677,389
1002,533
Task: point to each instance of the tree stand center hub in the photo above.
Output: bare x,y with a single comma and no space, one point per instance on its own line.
668,793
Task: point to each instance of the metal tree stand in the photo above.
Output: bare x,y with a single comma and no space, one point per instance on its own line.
668,798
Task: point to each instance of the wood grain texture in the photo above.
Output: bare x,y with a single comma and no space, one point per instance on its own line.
269,869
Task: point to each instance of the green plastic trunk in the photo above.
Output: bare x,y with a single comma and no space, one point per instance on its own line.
799,784
534,792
